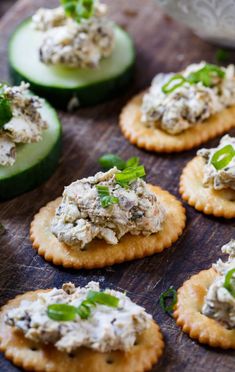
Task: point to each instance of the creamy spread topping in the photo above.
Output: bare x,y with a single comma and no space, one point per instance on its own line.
71,43
26,124
219,169
107,328
80,218
189,103
219,302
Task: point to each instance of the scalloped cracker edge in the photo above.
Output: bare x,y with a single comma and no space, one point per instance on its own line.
100,254
189,317
157,140
219,203
46,358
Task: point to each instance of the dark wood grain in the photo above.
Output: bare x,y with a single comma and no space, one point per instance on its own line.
162,45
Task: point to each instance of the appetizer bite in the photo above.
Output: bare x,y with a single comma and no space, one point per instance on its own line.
107,219
181,111
206,303
73,55
208,181
30,137
77,329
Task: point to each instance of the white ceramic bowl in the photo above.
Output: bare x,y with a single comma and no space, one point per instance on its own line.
213,20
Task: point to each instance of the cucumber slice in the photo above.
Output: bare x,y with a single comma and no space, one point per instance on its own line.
35,162
58,83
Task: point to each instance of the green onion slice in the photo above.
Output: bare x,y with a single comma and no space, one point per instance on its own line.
84,309
223,157
5,111
168,300
130,175
105,198
103,298
62,312
206,75
132,162
175,82
78,9
228,282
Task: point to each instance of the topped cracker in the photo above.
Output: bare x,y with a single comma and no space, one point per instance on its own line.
32,355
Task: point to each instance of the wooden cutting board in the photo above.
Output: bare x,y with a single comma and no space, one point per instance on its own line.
162,45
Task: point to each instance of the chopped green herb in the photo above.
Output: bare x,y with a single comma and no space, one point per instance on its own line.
129,175
105,198
132,162
222,55
109,161
223,157
175,82
78,9
5,108
103,298
207,75
168,300
229,282
62,312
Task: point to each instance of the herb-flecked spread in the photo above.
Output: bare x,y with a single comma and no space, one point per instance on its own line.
189,104
74,44
26,124
107,328
80,218
219,302
219,178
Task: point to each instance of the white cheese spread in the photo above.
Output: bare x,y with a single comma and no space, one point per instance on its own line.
107,328
73,44
219,303
187,105
80,218
218,178
26,124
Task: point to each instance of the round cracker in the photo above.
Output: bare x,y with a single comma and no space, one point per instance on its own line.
154,139
98,253
189,317
46,358
220,203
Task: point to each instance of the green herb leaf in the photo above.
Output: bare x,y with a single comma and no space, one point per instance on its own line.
109,161
168,300
132,162
5,111
222,55
103,298
129,175
62,312
209,75
78,9
223,157
229,282
175,82
105,198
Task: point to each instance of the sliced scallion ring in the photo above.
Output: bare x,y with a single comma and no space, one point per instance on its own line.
228,282
103,298
175,82
168,300
223,157
62,312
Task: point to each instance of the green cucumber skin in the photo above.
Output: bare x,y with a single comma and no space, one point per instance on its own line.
87,96
32,177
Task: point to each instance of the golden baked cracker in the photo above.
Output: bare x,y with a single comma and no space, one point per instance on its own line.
189,317
220,203
46,358
98,253
161,141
